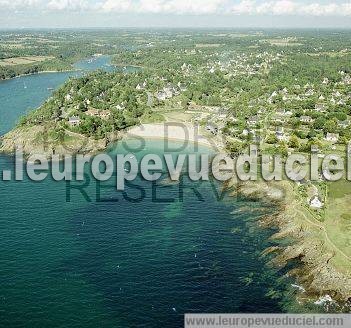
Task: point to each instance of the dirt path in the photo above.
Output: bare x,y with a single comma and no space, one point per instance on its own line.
321,227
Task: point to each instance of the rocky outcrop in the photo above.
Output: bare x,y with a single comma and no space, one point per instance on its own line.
316,269
40,140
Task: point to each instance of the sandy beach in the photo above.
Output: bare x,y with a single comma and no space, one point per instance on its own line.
173,131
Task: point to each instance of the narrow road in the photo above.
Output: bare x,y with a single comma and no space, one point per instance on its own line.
326,234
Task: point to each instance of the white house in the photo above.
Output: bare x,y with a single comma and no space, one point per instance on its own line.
314,149
284,112
169,92
161,95
74,121
274,94
309,93
182,87
212,128
319,107
120,107
347,79
253,120
344,124
316,203
333,137
306,119
336,94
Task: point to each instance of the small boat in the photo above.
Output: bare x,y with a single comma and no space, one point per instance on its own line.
50,88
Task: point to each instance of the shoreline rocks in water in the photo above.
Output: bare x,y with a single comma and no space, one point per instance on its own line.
315,271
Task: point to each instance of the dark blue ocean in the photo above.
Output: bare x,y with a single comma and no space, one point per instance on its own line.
95,257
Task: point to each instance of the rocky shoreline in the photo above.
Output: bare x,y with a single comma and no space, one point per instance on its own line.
315,271
36,140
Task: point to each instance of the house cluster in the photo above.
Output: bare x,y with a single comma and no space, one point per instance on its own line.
244,64
345,78
103,114
326,96
170,91
186,68
280,119
332,95
92,112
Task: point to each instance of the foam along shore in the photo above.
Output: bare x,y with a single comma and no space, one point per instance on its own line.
317,271
172,131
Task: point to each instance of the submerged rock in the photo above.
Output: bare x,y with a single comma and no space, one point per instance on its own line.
315,270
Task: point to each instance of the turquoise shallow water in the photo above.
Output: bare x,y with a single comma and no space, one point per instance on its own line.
141,258
131,259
